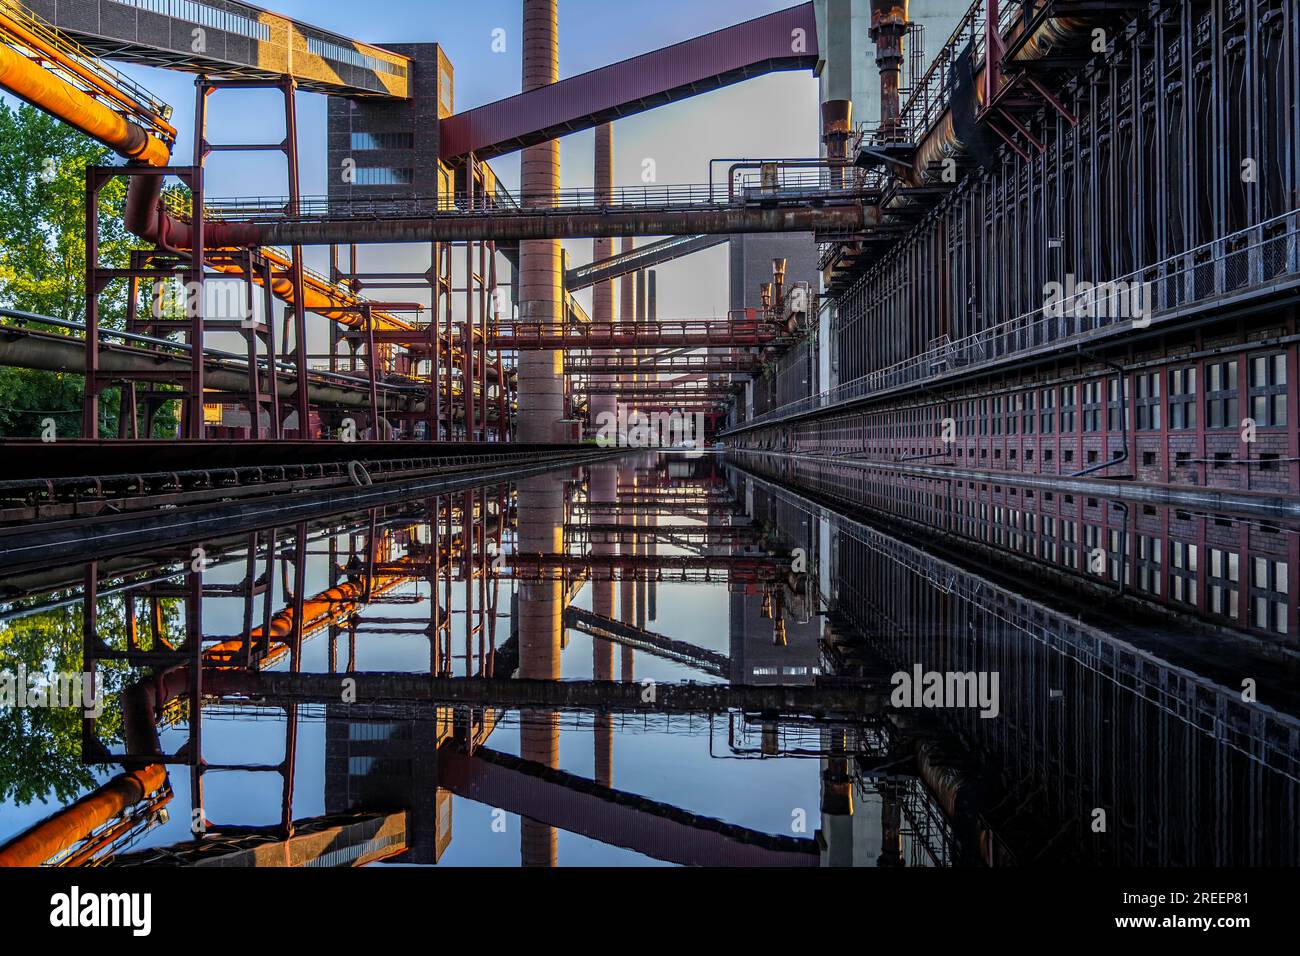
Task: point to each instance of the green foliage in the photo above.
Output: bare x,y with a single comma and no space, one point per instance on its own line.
43,259
42,746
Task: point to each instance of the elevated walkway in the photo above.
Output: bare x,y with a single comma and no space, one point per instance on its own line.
227,40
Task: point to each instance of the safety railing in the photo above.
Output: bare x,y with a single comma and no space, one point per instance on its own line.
1245,260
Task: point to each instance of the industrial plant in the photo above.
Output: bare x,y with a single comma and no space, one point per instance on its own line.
858,433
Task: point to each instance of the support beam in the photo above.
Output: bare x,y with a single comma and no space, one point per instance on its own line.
818,700
613,817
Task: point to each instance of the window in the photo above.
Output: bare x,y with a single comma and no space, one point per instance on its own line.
1149,559
1270,589
1047,416
1268,390
205,15
384,176
1027,412
1148,402
1224,579
1069,544
1116,422
328,50
1221,395
1091,407
362,141
1182,399
1069,399
1182,572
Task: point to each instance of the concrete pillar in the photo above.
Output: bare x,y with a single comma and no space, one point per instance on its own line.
541,622
604,487
602,294
627,307
541,294
649,598
627,606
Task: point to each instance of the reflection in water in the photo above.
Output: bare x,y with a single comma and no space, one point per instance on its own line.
669,659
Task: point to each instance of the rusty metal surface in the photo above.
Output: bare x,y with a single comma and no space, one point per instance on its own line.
850,218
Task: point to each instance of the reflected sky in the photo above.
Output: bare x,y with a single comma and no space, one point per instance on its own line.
669,571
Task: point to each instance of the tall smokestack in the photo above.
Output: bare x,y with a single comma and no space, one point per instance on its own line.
888,26
602,295
541,297
837,129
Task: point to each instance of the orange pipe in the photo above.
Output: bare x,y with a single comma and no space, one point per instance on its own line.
72,824
42,89
50,51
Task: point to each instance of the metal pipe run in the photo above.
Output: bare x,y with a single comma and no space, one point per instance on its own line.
61,353
33,83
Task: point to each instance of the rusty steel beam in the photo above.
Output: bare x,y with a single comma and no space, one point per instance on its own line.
784,40
749,332
544,224
613,817
659,364
643,257
682,652
656,390
281,687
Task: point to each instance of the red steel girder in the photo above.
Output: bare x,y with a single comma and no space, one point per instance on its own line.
740,364
748,331
785,40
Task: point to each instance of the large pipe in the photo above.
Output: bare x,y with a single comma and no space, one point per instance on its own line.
72,824
837,130
30,33
541,631
61,353
42,89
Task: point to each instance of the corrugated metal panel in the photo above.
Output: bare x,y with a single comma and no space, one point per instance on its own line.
763,45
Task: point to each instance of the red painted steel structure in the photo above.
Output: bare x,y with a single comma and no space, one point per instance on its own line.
785,40
613,817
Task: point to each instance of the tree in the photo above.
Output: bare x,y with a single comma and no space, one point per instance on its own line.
43,258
